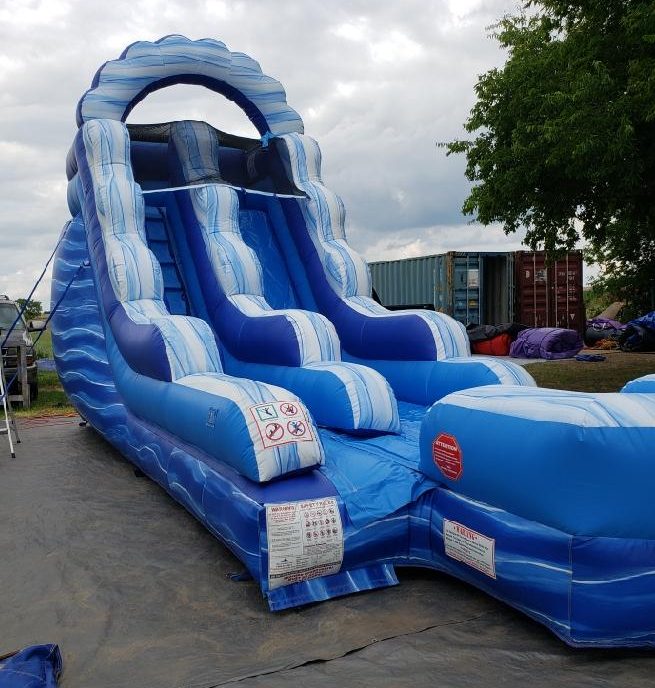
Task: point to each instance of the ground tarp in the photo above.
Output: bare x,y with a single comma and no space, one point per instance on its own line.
135,592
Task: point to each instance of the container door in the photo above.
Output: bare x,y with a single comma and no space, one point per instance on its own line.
549,295
406,283
467,280
511,290
567,305
443,284
497,292
532,285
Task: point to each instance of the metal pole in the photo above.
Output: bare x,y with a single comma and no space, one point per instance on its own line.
24,386
3,383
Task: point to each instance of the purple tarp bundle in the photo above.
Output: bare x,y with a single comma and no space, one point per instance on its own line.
547,342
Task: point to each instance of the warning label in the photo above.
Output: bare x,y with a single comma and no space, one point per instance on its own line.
447,455
305,540
469,547
281,422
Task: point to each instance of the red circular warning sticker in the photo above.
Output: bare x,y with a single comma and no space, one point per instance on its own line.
447,455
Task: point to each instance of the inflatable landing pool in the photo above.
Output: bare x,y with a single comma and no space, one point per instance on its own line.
216,327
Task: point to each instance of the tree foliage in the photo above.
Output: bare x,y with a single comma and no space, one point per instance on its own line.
33,310
565,134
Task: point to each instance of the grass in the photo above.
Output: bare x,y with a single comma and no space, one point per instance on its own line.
606,376
52,399
44,346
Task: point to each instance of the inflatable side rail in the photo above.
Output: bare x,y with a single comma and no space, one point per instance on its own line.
160,348
422,354
642,385
582,460
342,281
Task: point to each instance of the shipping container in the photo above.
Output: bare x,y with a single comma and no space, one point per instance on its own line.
549,293
473,287
406,283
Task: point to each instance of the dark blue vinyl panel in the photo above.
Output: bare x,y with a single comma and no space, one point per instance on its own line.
149,161
258,233
150,164
159,242
276,219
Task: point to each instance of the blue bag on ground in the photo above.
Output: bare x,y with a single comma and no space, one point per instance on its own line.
37,666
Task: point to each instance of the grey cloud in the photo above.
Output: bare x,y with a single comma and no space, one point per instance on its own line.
377,120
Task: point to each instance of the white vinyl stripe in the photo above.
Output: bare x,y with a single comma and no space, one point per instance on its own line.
571,408
363,384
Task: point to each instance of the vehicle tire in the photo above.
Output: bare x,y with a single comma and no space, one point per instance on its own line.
34,392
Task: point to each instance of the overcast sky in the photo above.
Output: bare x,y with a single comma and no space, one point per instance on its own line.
378,83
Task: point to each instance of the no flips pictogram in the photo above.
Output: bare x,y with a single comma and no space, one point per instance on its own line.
288,409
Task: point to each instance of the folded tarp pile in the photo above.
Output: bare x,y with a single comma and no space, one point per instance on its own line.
520,341
599,329
493,340
639,334
551,343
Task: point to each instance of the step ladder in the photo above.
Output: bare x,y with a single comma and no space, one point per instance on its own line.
9,419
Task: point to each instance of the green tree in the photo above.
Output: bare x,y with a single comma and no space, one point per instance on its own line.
565,135
33,310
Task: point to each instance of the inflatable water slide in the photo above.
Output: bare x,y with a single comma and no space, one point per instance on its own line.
216,327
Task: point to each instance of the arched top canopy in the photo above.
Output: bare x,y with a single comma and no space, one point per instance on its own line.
145,67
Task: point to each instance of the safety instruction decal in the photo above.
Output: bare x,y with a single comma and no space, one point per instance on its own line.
305,540
469,547
281,422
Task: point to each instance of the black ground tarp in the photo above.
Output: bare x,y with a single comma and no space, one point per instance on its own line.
137,593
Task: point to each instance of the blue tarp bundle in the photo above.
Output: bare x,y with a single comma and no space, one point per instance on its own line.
37,666
639,334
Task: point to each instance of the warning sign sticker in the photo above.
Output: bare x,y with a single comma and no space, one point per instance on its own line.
280,422
469,547
305,540
447,456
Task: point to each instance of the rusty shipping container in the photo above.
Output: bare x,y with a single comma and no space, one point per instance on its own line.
549,294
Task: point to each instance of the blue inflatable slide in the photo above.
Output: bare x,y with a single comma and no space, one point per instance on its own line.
216,327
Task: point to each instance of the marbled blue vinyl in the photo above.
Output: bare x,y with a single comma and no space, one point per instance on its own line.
557,482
